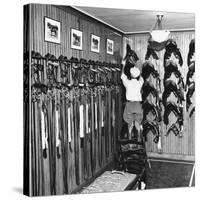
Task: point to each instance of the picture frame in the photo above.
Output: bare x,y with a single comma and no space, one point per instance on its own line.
51,30
76,39
109,46
95,43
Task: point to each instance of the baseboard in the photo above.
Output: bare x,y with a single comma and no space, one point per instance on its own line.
174,157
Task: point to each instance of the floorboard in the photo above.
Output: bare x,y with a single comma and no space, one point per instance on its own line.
168,175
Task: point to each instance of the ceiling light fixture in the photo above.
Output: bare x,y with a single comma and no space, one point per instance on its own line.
158,36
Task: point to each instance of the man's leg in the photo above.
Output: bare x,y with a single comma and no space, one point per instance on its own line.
128,118
139,129
130,127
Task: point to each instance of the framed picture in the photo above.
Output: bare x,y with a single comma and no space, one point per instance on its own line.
95,43
110,46
51,30
76,39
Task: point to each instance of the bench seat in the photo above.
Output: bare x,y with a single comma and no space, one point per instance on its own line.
112,181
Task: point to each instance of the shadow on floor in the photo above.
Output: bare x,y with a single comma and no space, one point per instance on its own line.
168,175
18,190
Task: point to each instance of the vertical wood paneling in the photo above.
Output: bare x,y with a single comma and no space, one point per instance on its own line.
170,144
26,100
70,20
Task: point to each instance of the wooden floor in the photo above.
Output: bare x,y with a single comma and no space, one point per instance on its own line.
169,175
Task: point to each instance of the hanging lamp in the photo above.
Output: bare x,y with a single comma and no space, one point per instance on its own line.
158,36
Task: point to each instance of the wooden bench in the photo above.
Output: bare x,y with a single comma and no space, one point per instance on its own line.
113,181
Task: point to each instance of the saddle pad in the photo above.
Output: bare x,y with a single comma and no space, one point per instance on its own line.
110,182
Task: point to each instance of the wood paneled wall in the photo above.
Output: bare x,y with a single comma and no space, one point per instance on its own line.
171,145
26,99
71,18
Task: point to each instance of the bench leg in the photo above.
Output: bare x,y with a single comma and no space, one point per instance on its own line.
139,185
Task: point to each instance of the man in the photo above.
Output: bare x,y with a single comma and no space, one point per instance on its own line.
132,81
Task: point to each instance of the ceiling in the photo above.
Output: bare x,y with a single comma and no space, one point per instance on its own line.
128,20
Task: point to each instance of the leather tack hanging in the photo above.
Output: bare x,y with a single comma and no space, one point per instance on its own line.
74,120
172,61
148,88
190,82
172,49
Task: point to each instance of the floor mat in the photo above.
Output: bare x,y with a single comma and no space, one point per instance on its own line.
168,175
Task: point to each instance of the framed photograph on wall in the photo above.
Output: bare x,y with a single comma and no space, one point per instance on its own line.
110,46
95,43
76,39
51,30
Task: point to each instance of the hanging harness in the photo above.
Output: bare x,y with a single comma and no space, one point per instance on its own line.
192,111
190,84
175,129
131,59
171,47
170,68
150,126
154,109
147,69
178,112
190,75
191,51
189,94
130,54
148,88
150,52
170,86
